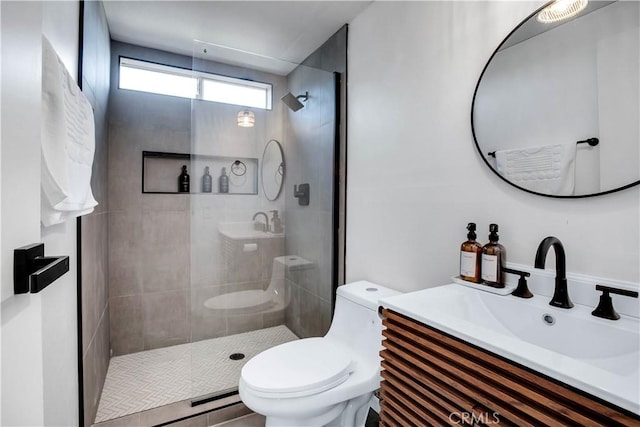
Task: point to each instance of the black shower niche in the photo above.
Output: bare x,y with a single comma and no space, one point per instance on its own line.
160,172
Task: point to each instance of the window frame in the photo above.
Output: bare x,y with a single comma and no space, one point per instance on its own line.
200,76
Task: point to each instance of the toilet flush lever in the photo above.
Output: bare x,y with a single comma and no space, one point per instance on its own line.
32,271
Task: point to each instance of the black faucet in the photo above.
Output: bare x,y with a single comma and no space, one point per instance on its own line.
560,294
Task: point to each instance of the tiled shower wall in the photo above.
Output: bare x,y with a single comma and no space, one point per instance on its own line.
149,234
94,242
310,159
165,252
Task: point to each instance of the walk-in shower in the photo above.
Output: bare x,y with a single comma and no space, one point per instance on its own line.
193,275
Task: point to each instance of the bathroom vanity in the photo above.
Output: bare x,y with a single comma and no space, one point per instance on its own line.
459,356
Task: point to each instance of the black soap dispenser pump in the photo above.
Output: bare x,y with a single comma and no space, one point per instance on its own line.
471,257
494,260
183,181
206,181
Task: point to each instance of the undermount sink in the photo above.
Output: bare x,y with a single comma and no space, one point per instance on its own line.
599,356
245,231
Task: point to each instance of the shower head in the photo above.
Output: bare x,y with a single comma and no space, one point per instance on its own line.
292,101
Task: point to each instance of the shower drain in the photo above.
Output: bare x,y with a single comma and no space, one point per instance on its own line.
236,356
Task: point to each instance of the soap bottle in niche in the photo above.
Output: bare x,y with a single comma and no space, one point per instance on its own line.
471,257
494,259
206,181
276,223
223,182
183,181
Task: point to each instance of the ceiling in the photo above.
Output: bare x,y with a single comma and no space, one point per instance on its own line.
271,36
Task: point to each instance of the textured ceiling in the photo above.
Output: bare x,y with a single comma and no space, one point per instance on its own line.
266,35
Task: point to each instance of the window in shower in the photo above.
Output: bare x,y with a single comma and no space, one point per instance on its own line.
160,79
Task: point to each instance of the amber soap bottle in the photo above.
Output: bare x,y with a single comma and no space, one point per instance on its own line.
470,257
494,259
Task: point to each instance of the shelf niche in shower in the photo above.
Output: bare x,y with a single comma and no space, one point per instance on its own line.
160,172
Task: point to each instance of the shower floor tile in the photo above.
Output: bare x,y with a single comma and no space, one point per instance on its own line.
149,379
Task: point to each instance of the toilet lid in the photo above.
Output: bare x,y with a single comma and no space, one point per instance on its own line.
299,368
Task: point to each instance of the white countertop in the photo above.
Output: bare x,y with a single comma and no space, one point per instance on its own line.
462,313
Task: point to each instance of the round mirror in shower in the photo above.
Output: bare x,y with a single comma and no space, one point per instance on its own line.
273,169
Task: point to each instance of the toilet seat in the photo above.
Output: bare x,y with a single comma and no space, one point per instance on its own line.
298,368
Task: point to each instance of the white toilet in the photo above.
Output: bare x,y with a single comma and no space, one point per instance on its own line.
322,381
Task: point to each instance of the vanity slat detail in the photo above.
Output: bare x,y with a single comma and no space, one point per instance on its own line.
431,378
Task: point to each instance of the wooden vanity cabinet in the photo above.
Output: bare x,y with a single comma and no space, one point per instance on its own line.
433,379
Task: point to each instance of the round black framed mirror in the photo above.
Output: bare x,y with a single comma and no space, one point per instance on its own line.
273,170
555,111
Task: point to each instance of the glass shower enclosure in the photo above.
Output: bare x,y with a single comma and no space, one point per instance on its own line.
263,210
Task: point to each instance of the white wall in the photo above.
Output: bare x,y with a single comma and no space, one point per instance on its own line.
415,178
39,359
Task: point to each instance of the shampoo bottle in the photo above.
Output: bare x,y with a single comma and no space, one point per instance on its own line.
471,257
223,182
206,181
494,259
183,181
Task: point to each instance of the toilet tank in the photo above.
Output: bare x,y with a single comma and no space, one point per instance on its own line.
356,322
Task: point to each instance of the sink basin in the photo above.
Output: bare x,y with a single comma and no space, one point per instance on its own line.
599,356
245,231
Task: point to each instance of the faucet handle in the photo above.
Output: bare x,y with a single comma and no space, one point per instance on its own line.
605,306
521,291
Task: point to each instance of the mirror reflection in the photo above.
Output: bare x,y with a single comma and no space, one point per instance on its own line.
273,168
556,109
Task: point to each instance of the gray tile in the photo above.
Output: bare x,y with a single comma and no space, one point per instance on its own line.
103,349
102,260
90,385
251,420
243,266
128,421
99,171
227,414
293,311
125,253
207,323
182,409
124,191
271,249
238,323
197,421
166,250
94,272
165,202
165,268
89,274
125,169
273,318
126,325
166,319
95,365
166,228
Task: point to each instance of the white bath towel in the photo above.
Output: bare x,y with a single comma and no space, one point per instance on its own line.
68,143
548,169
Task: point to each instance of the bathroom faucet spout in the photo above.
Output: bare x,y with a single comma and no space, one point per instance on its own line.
561,293
266,218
